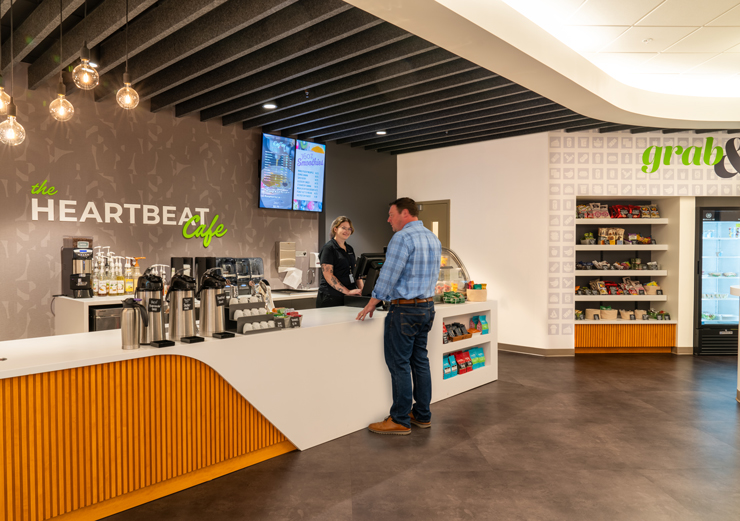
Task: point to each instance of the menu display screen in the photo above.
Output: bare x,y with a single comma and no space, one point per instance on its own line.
310,161
276,175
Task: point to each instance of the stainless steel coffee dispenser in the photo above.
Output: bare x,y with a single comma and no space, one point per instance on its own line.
212,301
181,297
149,290
130,323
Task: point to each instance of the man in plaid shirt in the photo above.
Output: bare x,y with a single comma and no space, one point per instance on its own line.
407,280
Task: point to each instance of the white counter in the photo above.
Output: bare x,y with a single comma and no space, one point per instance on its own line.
314,383
735,290
72,315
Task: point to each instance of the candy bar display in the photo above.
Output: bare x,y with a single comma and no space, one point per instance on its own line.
617,211
626,287
633,264
461,362
607,313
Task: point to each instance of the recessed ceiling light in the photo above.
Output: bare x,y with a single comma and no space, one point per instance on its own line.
381,132
269,106
647,40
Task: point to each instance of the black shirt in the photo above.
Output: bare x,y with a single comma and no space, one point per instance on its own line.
344,263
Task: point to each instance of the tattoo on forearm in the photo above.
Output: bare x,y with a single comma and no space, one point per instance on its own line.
331,279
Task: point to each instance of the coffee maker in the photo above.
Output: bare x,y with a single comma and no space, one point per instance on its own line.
77,267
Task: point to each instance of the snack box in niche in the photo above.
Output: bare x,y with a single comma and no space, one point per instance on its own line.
452,362
446,368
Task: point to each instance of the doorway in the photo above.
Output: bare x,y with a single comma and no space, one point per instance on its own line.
436,217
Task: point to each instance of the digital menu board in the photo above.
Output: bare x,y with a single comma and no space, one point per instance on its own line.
308,191
276,173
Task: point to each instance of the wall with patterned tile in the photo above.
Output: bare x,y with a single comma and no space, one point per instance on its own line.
596,165
106,155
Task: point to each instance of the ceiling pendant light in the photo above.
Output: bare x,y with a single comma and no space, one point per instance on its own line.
84,75
127,97
11,132
4,98
61,109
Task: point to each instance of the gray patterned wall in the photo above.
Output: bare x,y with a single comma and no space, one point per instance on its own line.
610,165
106,155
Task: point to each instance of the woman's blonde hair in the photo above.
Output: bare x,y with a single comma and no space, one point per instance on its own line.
338,222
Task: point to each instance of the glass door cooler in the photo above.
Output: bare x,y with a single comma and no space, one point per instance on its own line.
718,268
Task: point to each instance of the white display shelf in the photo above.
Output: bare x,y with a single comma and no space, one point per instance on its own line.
622,221
721,238
728,298
461,345
626,273
720,257
629,298
623,322
621,247
710,277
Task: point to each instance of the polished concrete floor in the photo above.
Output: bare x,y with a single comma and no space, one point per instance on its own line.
595,437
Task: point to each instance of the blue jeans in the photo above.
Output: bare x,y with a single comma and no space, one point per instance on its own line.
406,330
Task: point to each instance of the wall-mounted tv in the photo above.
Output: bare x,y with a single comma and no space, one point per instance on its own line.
308,186
276,172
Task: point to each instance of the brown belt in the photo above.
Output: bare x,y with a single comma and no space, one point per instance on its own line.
412,301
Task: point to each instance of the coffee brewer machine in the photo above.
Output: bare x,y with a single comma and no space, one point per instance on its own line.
77,267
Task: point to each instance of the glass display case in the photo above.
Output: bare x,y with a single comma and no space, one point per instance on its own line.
452,273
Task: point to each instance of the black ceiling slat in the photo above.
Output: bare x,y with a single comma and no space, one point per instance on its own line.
153,26
706,131
332,105
222,28
443,132
616,128
101,23
600,124
40,23
643,130
545,112
734,131
395,60
432,92
502,112
471,133
497,135
480,101
341,37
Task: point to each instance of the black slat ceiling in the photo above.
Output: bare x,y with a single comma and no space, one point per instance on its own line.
336,73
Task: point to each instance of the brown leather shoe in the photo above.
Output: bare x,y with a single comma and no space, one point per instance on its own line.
388,426
423,425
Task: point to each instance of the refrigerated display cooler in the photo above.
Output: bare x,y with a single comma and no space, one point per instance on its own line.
718,268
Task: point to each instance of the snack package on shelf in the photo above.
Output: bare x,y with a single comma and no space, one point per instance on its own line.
584,211
446,368
654,213
645,212
452,362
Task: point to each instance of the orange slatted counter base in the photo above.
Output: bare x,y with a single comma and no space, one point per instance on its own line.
632,338
88,442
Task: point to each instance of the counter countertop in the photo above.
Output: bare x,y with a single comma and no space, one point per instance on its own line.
277,295
53,353
295,377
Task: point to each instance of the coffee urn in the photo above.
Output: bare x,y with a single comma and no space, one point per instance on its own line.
181,297
130,323
212,300
149,290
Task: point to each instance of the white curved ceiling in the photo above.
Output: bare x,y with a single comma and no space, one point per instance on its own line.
591,58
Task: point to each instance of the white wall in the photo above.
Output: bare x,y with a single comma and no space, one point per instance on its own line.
498,192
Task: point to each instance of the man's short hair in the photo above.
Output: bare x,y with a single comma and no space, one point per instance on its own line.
406,203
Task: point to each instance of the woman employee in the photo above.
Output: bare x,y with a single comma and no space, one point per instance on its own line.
337,266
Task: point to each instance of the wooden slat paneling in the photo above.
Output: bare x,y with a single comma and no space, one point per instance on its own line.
76,438
617,338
